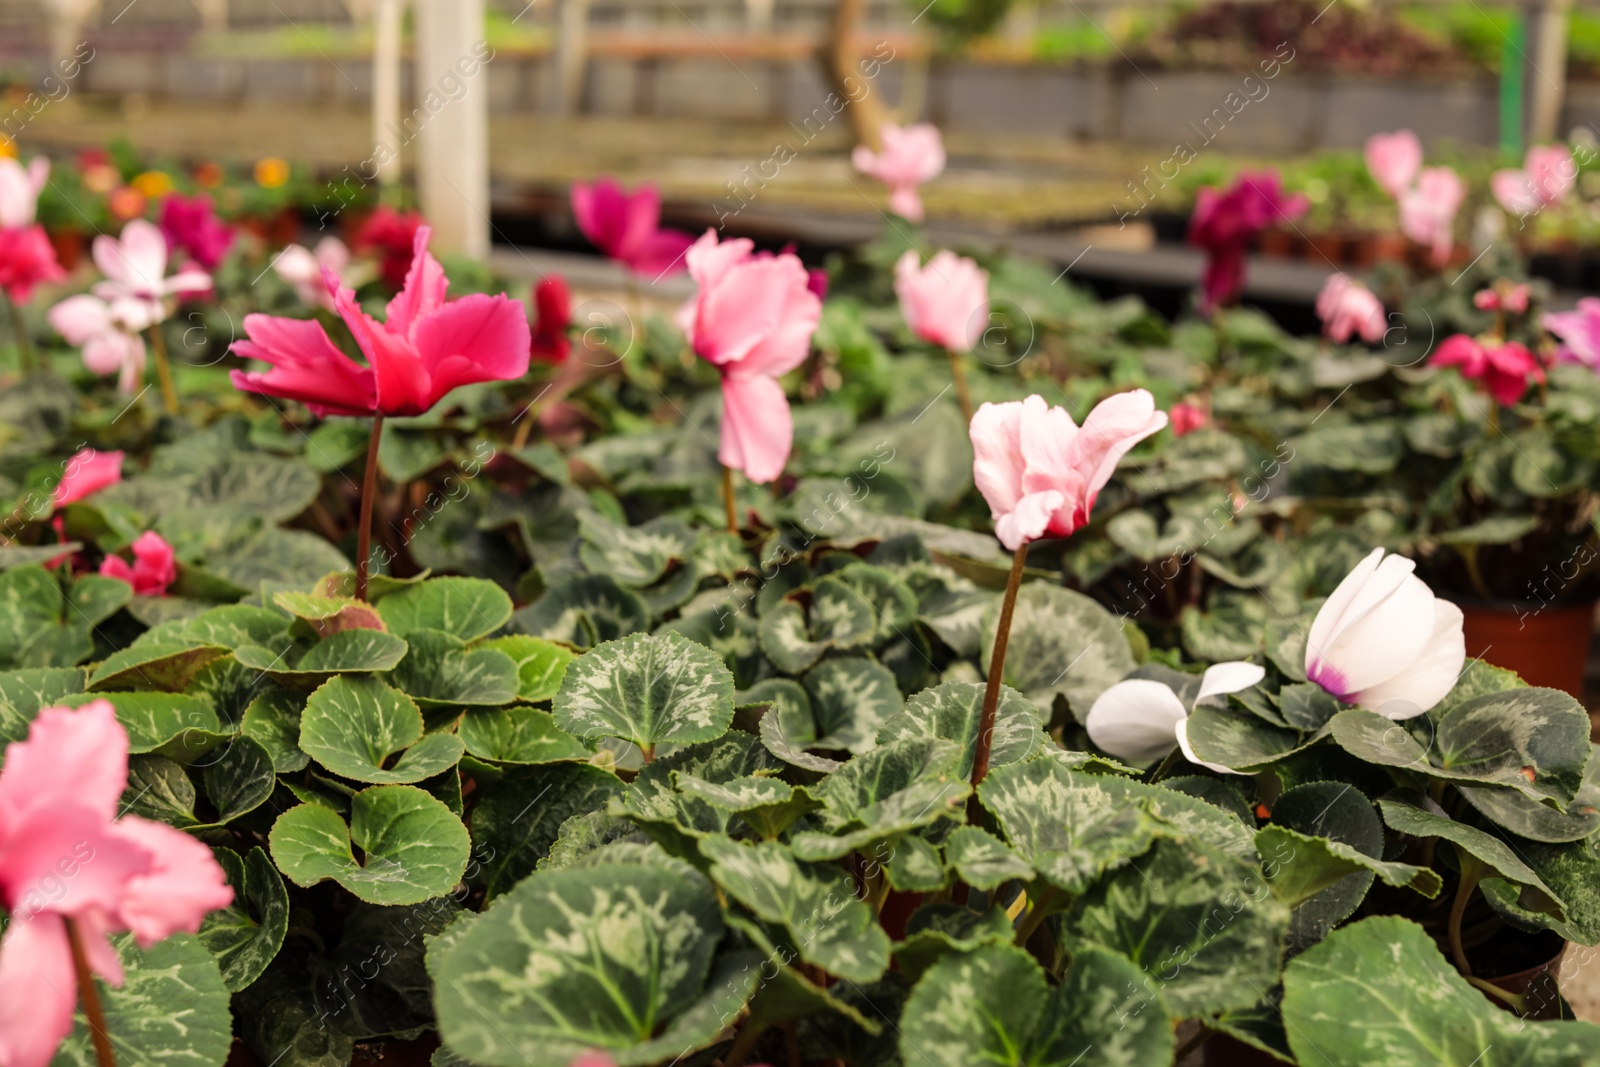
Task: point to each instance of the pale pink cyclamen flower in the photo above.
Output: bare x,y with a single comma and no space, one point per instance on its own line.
110,345
154,565
1428,210
65,855
1347,308
1502,296
86,473
1578,331
136,283
911,155
1384,642
303,269
1393,160
1548,173
1040,472
945,302
19,191
752,318
27,259
1186,418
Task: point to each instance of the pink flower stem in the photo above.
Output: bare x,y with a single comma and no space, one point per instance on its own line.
369,486
958,374
997,663
19,331
728,501
89,996
169,394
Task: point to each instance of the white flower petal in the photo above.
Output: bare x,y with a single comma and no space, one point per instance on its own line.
1135,720
1182,732
1380,632
1430,677
1229,677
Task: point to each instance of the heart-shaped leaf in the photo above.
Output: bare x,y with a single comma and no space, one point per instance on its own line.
155,719
541,664
355,726
678,817
273,721
893,789
851,697
467,608
439,670
1062,643
976,1007
518,818
636,556
954,710
1421,1012
23,693
1408,813
153,665
585,611
612,957
807,624
982,859
238,780
1340,813
1299,866
519,735
346,652
647,689
247,934
413,848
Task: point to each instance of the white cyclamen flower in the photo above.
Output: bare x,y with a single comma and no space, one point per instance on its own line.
1138,720
1384,642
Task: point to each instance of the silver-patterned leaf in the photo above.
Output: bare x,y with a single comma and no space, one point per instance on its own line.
647,689
1062,643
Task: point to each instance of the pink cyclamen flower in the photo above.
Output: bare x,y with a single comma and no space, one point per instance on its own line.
109,346
85,474
1385,642
1504,369
1393,160
154,565
627,226
1428,210
752,318
1502,296
426,347
1347,308
136,283
27,261
1578,331
1548,173
945,302
1224,224
1186,418
191,224
19,191
911,155
1040,472
303,268
64,855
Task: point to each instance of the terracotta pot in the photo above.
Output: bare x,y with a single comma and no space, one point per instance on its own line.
1278,243
1548,645
1326,248
1536,985
1384,247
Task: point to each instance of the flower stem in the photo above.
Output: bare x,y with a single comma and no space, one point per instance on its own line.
1472,872
997,663
89,996
158,344
743,1044
958,374
369,486
728,501
19,331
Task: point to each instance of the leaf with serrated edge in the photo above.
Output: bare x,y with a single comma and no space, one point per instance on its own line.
953,711
352,726
647,689
541,664
467,608
979,1007
246,935
1300,865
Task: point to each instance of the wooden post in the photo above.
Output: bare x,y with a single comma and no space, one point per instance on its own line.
453,161
386,86
1547,67
572,55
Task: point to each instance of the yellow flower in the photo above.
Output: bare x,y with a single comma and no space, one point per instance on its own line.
8,147
272,172
154,184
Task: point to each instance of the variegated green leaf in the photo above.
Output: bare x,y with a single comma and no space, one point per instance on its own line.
441,671
636,556
979,1007
647,689
935,931
851,697
954,711
467,608
345,652
353,726
517,819
1408,813
676,817
1105,1013
1062,643
983,860
246,936
807,624
540,664
889,791
1298,866
519,734
584,612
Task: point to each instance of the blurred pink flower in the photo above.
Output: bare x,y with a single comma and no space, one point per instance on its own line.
552,317
1579,333
627,227
191,224
64,855
86,473
1225,223
393,236
1548,173
752,319
302,268
1347,308
1393,160
27,261
945,302
1040,472
136,283
1502,296
1428,211
911,155
1186,418
19,191
426,347
1504,370
154,565
108,346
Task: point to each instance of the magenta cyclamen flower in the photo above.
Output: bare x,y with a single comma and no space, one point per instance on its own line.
27,259
85,474
911,156
1503,368
65,856
154,565
752,319
190,224
627,227
1040,472
1225,223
